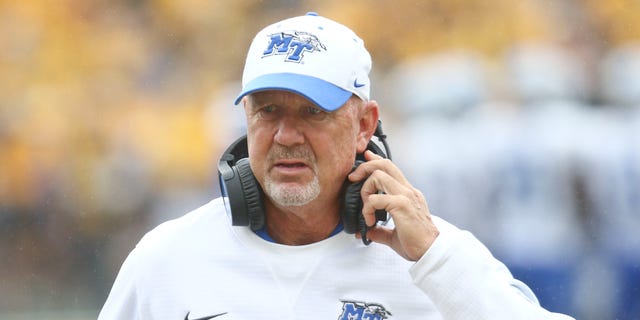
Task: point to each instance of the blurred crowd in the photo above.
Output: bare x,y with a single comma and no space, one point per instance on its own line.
519,121
548,179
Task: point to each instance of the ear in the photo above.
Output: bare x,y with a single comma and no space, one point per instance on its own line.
369,115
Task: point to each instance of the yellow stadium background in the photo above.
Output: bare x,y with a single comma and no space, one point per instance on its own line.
113,114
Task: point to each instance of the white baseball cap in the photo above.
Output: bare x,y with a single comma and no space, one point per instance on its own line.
315,57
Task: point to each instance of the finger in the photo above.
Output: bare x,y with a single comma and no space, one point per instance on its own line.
376,162
381,181
393,204
373,162
370,155
380,235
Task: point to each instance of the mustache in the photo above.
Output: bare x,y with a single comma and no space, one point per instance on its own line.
299,152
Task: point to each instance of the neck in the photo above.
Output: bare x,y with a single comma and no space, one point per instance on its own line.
301,225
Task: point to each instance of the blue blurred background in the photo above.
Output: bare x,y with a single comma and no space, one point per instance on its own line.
519,120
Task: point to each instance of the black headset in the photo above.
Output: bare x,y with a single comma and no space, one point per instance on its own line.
243,196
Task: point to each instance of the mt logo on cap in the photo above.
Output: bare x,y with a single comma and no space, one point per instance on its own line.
293,45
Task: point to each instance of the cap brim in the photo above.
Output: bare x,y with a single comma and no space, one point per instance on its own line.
325,95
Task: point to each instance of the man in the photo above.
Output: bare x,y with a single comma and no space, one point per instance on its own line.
306,98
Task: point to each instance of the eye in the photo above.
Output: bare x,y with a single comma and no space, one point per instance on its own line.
315,112
267,111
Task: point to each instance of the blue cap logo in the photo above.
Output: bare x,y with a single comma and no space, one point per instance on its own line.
293,45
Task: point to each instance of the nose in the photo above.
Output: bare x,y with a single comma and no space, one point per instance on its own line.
289,132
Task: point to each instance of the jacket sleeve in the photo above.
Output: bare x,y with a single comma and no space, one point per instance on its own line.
465,281
122,302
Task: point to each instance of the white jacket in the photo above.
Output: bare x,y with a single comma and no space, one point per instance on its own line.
200,267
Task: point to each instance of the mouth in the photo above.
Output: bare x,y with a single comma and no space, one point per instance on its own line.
291,166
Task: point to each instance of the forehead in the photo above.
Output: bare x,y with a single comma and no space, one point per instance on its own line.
278,96
284,98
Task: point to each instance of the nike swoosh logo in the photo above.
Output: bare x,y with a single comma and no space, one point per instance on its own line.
358,85
204,318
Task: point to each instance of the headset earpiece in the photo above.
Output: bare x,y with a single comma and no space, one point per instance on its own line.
240,190
352,204
352,218
252,195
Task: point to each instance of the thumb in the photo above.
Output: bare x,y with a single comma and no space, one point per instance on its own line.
380,235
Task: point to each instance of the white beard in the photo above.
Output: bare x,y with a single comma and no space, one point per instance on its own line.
287,195
292,196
